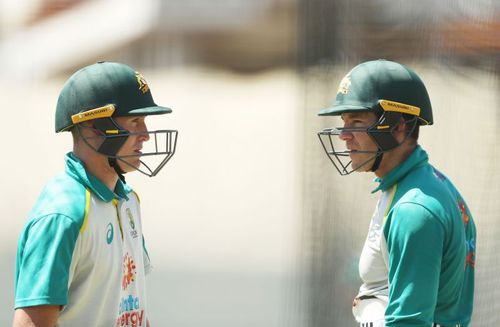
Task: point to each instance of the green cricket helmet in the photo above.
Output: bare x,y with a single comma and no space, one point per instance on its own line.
390,90
102,91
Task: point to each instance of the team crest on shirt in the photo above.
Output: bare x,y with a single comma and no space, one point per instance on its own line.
129,271
131,222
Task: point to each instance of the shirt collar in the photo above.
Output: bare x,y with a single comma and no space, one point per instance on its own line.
76,169
417,158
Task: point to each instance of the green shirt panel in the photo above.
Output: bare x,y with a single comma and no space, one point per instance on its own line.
47,242
427,230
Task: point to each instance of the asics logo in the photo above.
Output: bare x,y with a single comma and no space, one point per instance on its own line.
109,233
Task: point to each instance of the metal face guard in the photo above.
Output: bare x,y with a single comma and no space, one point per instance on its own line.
339,155
381,133
157,152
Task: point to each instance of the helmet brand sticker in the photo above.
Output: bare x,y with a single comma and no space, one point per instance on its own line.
399,107
100,112
143,85
345,84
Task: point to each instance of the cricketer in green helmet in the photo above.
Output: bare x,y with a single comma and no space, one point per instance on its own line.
417,263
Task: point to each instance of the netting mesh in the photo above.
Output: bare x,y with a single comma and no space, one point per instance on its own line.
455,47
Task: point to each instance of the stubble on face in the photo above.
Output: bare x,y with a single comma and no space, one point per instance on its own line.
357,142
131,150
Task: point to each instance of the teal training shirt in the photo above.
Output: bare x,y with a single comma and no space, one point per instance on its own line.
430,237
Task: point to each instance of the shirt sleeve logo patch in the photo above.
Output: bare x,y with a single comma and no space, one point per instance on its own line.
463,211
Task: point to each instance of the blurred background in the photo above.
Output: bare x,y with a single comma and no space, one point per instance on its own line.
249,224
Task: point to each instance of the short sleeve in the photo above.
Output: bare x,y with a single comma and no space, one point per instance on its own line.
44,257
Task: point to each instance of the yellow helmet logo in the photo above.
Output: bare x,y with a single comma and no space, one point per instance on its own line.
143,85
344,85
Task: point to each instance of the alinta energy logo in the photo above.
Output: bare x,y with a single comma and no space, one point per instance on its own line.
130,312
128,271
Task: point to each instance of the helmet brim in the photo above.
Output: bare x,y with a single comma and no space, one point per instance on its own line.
155,110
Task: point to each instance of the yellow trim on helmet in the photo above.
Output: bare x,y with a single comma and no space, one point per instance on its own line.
101,112
388,105
425,121
112,131
87,209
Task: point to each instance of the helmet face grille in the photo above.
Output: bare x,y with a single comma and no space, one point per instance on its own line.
156,152
161,149
339,155
153,157
381,133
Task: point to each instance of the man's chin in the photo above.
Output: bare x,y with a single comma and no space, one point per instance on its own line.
129,167
363,167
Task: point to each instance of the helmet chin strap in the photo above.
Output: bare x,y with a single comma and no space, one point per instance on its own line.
376,163
114,164
388,143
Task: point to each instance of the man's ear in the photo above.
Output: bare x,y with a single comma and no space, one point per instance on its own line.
91,129
85,130
401,130
402,126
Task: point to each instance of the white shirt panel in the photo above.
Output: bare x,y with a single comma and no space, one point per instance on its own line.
373,262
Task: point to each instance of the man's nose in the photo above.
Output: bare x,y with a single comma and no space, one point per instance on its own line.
345,135
144,135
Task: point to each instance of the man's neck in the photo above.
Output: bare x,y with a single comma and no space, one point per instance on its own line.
98,166
392,159
106,175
